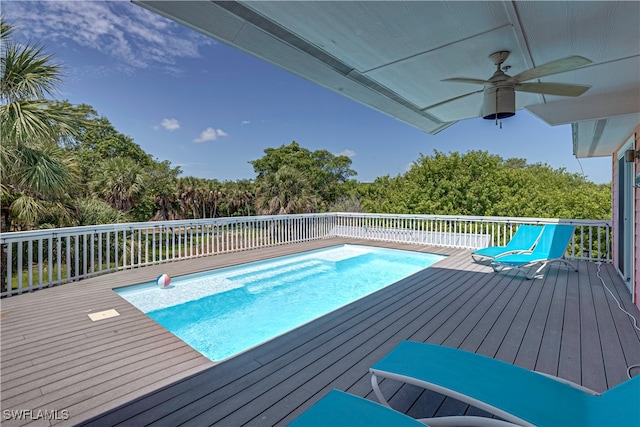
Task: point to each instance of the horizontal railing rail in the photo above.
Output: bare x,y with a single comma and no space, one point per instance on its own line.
591,240
42,258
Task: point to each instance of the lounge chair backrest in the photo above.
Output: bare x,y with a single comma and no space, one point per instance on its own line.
513,393
554,241
617,406
524,238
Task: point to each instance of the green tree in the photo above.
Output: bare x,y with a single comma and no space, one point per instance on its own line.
120,182
153,186
162,196
482,184
325,172
240,197
286,191
96,211
98,140
189,194
213,196
541,191
351,203
36,175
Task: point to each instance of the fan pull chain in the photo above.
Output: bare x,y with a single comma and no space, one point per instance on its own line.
496,105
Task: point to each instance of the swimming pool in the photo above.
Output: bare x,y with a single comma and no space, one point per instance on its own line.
224,312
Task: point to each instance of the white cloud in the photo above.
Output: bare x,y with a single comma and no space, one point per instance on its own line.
135,37
170,124
245,122
210,134
348,153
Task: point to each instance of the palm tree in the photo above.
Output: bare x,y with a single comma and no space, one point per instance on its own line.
35,173
120,182
191,193
200,193
246,196
96,211
212,197
166,206
37,187
234,199
286,191
161,182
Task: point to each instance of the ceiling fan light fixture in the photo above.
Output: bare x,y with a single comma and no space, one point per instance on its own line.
499,103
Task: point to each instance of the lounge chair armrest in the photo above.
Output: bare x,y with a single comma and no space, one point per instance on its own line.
571,383
512,253
464,420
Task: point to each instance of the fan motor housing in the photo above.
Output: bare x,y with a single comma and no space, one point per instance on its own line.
499,103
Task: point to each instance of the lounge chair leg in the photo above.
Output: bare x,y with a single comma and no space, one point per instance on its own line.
570,264
497,267
535,273
378,392
481,260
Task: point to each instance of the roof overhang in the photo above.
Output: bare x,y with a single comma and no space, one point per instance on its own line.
600,123
602,137
393,56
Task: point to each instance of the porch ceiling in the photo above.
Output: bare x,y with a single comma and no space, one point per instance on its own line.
392,56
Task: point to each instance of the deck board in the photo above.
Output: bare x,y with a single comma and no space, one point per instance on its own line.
570,363
128,370
528,352
592,377
548,358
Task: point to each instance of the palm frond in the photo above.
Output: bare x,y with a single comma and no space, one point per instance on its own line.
44,171
27,210
94,211
5,29
34,122
119,181
26,72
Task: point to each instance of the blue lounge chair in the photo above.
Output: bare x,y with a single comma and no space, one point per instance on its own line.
340,409
515,394
523,240
551,247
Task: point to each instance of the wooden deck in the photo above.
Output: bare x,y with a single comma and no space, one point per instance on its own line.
127,370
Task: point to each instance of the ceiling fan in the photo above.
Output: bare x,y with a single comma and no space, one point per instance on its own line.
499,91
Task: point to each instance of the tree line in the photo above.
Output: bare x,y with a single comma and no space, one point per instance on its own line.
64,165
482,184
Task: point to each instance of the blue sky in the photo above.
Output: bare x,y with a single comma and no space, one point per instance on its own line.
210,108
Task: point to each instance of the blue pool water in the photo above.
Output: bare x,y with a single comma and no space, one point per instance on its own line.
227,311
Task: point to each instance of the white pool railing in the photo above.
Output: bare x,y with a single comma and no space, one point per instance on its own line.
42,258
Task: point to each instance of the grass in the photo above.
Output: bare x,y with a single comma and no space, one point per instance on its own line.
181,249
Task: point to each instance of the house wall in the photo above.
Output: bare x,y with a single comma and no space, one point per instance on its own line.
636,238
614,205
614,192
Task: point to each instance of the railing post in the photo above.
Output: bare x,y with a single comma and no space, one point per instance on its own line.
50,260
9,264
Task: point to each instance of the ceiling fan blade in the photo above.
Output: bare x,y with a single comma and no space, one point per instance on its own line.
553,67
561,89
452,99
466,80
